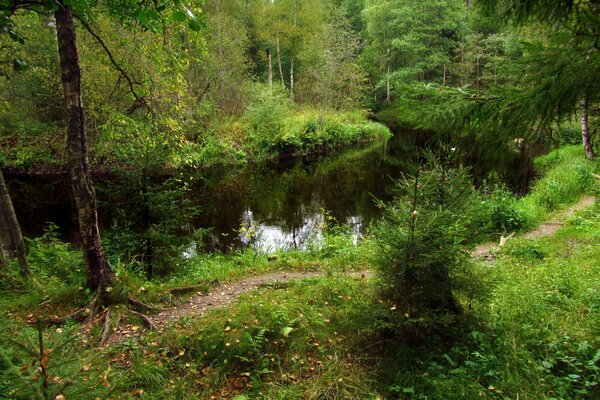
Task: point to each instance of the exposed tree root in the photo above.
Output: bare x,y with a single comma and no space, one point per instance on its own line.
142,306
78,315
149,324
111,317
108,325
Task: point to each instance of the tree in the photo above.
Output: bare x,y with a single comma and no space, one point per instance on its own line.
409,40
99,273
11,239
423,246
572,37
335,80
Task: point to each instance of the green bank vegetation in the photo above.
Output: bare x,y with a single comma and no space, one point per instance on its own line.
527,325
146,91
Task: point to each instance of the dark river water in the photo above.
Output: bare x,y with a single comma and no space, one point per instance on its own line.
284,204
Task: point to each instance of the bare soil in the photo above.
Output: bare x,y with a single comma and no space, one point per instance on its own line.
220,296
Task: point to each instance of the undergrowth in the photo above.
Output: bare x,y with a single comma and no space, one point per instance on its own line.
533,333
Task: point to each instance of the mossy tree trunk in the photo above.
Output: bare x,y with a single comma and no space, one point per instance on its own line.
11,239
99,272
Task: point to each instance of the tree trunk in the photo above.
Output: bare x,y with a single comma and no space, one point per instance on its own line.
270,61
585,130
477,72
292,79
11,239
444,78
279,60
388,93
463,78
294,22
99,273
3,262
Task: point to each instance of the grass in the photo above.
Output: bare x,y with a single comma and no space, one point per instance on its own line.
566,175
532,332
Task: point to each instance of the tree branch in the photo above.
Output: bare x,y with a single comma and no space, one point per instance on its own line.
124,74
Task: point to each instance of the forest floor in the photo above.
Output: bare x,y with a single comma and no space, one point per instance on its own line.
225,294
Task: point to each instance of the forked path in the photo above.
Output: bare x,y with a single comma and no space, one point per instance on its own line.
222,295
547,228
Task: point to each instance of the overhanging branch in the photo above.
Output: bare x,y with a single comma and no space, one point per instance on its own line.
138,100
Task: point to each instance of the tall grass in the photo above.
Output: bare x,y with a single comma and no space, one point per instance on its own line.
566,175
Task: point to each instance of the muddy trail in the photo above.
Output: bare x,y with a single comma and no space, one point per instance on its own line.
200,302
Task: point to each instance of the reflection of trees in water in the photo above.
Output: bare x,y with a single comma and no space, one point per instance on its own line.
268,238
286,204
285,198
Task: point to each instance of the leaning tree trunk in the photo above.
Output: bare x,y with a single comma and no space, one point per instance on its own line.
11,239
585,130
99,273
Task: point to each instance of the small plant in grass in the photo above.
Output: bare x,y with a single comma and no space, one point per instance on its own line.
42,364
422,245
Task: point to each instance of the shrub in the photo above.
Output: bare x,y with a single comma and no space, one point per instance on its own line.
422,247
504,213
266,117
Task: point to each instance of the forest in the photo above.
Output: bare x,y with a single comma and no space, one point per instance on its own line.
285,199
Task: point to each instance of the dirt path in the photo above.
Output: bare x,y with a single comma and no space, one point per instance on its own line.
547,228
220,296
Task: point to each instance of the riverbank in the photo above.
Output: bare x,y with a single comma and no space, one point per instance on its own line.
260,135
529,330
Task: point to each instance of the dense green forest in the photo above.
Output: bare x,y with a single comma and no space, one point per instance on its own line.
284,199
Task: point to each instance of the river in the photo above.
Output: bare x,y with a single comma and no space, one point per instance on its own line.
269,206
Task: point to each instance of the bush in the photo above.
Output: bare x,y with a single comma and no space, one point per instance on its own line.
50,259
265,117
503,212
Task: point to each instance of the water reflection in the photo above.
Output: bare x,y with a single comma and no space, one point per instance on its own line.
270,206
267,238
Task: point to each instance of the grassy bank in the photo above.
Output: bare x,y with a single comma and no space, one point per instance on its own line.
563,175
269,129
529,331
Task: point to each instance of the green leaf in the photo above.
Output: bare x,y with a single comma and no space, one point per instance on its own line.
19,65
179,16
196,25
286,331
547,364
